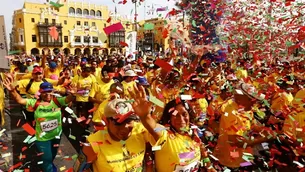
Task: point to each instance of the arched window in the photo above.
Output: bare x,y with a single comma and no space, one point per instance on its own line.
86,12
92,13
99,13
71,10
79,11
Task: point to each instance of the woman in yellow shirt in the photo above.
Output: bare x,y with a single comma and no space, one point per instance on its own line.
179,147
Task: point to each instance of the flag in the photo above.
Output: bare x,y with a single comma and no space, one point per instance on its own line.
53,32
113,28
57,5
162,9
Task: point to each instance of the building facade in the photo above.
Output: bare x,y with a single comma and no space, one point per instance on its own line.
151,40
78,24
4,63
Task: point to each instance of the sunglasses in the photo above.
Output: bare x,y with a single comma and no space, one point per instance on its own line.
128,120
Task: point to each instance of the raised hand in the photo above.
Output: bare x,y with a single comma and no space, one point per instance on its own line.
211,170
72,89
141,105
8,82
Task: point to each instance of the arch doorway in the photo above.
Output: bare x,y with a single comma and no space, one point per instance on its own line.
66,51
43,51
34,51
56,51
95,51
87,51
105,51
121,50
77,51
112,50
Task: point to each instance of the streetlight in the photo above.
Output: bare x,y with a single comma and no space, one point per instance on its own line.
135,16
135,22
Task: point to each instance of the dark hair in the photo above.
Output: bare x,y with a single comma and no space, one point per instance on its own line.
107,69
116,84
165,119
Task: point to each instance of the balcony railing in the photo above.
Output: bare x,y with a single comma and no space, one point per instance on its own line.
51,44
95,44
49,24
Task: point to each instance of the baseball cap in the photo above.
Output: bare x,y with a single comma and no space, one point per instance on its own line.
232,77
29,60
142,80
251,91
119,110
37,69
46,86
36,65
86,68
130,73
52,65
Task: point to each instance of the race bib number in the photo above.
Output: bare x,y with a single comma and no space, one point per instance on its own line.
49,125
188,168
86,93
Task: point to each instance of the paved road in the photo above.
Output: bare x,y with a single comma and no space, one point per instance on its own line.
22,155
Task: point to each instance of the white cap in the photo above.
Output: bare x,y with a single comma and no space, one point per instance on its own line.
130,73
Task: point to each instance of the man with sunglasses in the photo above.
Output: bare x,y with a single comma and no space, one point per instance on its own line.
121,145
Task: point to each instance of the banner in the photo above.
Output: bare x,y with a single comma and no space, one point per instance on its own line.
131,40
4,63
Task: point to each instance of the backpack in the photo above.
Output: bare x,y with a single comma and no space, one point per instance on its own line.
38,103
27,88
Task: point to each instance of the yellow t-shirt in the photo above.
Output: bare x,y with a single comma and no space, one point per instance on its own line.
126,86
34,87
97,73
216,105
241,73
176,149
232,123
110,153
99,113
150,75
27,76
12,68
100,90
294,124
203,103
48,73
74,71
165,95
272,78
280,101
299,100
84,85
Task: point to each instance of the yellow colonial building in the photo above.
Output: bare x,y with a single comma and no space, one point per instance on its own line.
150,34
152,39
79,26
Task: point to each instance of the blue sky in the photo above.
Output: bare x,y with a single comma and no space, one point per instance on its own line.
7,8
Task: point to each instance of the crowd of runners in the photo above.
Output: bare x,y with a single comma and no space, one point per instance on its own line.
163,113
